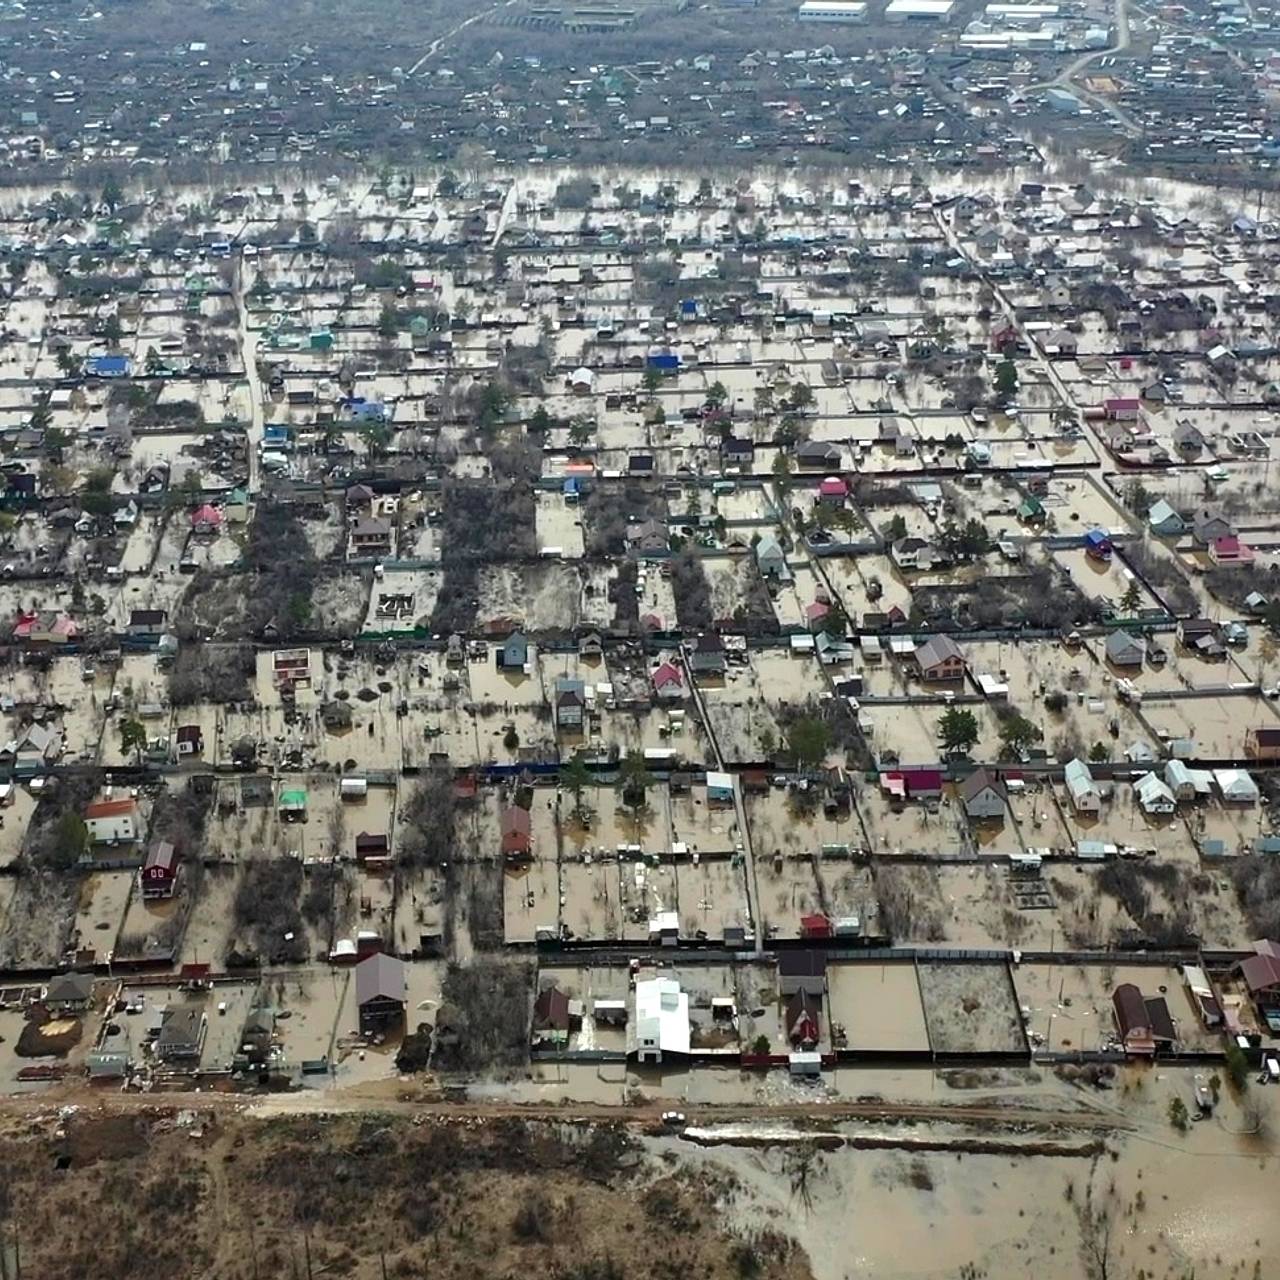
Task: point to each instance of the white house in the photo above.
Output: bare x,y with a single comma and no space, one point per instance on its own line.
1153,794
771,559
1084,792
112,821
1187,783
1236,785
661,1025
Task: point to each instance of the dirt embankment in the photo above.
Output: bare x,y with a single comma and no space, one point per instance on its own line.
210,1194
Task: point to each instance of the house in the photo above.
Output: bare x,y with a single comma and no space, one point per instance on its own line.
112,821
553,1017
737,452
1084,793
146,622
1125,650
68,993
160,871
582,381
1236,786
1144,1026
939,659
590,645
660,1029
106,367
182,1033
381,987
1187,440
1154,795
1203,996
373,849
292,804
1262,743
647,538
371,535
771,560
206,520
516,833
707,655
513,653
1187,783
983,796
803,1019
36,747
189,740
1031,510
1164,521
804,971
1209,524
816,615
1261,975
815,455
1097,544
569,705
1122,408
1230,552
912,553
719,787
45,627
668,682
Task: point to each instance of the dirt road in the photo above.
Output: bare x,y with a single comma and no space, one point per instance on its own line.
647,1114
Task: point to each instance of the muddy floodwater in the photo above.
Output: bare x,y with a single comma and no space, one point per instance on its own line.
1104,1173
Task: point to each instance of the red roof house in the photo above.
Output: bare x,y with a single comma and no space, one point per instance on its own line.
516,836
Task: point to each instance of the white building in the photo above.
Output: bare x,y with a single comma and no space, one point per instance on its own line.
661,1024
1084,792
917,10
832,11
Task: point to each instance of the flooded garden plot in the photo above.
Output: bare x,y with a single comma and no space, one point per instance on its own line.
507,733
1216,725
782,822
740,719
791,599
747,504
639,730
1069,1007
655,599
971,1008
15,817
737,591
855,580
100,910
540,597
609,823
787,679
896,828
530,899
590,983
877,1006
559,526
591,898
711,895
402,599
702,828
313,1004
645,889
986,907
1105,583
142,543
789,890
38,921
1077,503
